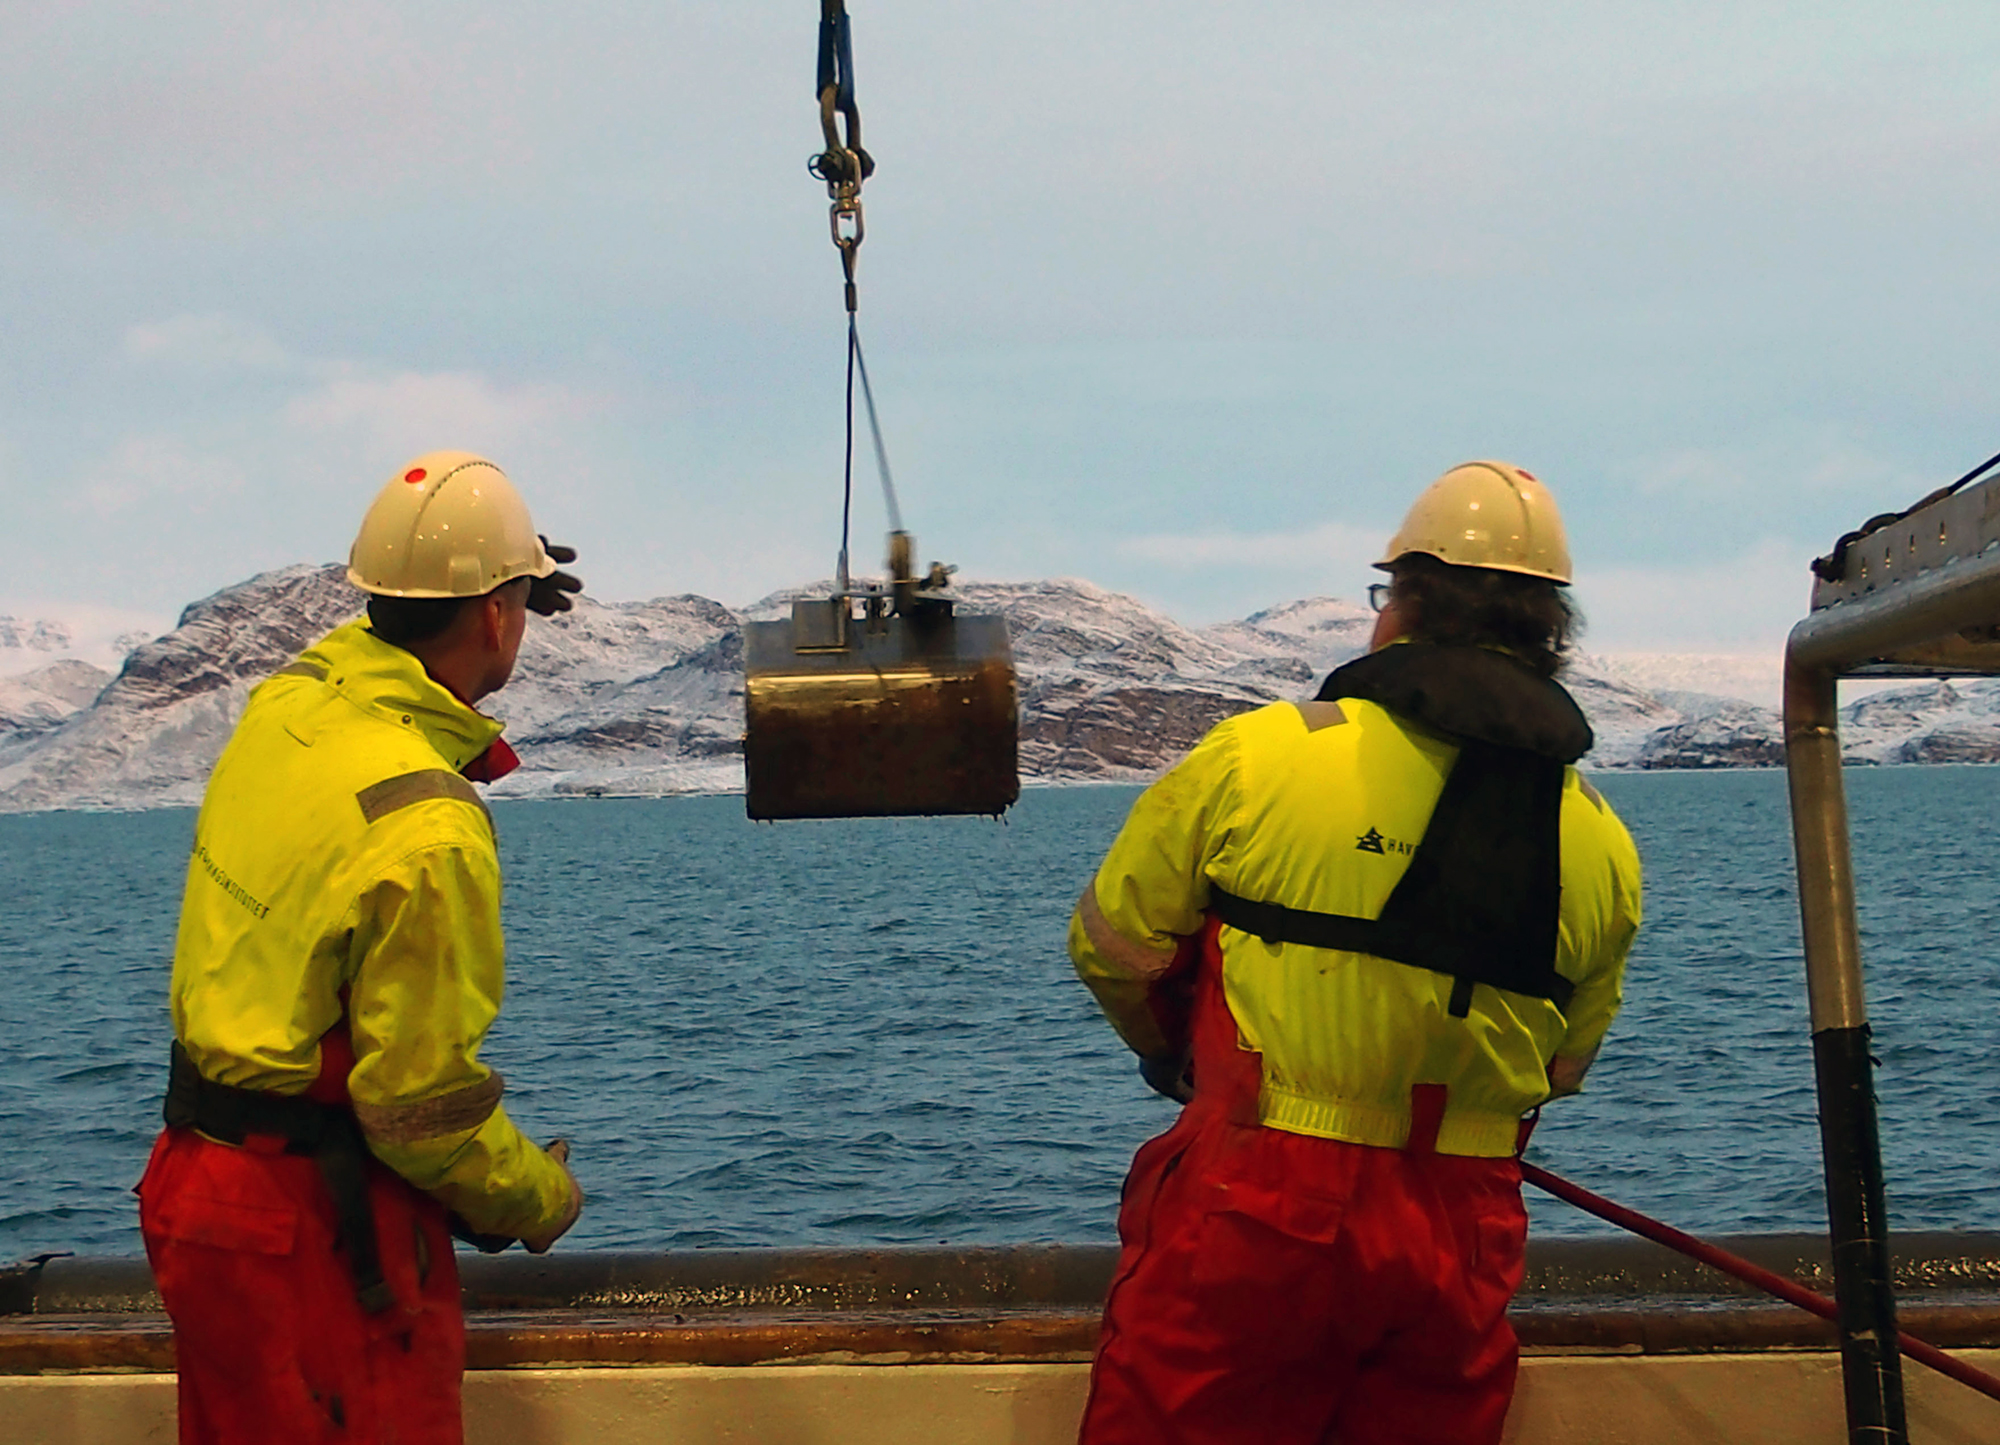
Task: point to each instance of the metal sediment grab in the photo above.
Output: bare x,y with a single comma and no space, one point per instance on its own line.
905,715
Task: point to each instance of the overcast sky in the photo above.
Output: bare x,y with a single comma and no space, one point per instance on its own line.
1184,298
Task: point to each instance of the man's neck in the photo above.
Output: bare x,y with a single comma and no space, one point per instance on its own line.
453,671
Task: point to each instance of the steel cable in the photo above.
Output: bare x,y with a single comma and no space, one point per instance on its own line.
847,465
875,430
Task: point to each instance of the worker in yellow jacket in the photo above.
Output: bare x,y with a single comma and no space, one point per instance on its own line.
339,960
1360,938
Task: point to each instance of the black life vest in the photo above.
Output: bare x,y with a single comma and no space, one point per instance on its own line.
1480,898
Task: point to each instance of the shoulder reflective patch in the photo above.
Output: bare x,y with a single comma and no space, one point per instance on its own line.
1136,959
381,799
1591,793
303,669
455,1113
1319,715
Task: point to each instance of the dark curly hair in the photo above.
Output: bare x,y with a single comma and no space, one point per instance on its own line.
1530,617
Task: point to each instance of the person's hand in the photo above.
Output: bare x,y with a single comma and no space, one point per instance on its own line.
539,1243
1171,1076
550,595
484,1243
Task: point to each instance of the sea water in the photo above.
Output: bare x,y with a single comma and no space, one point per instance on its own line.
854,1033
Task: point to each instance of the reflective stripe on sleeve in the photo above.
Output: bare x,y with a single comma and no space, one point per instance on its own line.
1136,959
380,799
303,669
453,1113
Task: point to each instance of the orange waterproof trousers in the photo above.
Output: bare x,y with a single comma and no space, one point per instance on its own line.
270,1341
1289,1290
1283,1289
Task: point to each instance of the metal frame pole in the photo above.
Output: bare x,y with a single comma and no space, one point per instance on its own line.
1871,1363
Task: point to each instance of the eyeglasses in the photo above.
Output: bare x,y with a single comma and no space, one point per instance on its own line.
1378,595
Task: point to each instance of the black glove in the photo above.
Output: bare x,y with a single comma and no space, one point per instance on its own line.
550,595
1171,1076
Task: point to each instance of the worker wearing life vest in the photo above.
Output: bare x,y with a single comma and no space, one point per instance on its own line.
329,1122
1360,937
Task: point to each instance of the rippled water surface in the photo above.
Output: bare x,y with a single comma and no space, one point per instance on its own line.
866,1032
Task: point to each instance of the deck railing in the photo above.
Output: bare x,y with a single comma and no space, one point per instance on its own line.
1916,594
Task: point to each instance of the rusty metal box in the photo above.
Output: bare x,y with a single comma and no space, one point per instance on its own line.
857,716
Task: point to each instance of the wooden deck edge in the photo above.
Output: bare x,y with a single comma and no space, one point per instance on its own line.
502,1340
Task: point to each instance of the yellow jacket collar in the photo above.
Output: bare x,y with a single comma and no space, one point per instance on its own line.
381,678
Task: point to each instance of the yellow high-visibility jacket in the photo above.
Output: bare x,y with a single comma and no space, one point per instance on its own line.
338,848
1319,806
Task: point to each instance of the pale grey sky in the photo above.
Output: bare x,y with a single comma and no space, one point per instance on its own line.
1185,299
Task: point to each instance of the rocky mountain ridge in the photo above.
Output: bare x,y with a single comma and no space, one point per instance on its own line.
646,697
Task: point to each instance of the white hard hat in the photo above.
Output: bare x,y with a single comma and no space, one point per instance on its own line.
449,524
1486,514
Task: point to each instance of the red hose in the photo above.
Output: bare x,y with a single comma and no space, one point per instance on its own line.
1749,1273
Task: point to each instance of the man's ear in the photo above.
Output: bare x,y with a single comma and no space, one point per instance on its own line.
492,621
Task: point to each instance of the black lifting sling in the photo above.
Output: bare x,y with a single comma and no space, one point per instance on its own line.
1480,898
328,1134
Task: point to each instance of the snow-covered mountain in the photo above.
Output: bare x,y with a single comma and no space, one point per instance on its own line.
1931,722
1748,677
647,697
99,636
149,737
34,703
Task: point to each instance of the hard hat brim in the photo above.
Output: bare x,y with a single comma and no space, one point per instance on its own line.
543,568
1388,564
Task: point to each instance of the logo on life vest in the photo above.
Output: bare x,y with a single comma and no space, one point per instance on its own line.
1373,842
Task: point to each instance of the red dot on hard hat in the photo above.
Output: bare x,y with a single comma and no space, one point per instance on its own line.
415,474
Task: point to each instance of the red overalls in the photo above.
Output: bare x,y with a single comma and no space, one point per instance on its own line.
271,1343
1284,1289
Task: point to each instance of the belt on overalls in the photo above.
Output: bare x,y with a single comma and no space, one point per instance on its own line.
326,1133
